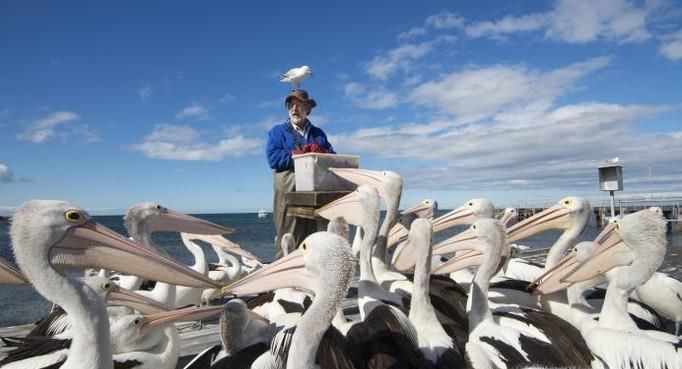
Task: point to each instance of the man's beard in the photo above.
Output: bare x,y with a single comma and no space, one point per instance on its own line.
299,120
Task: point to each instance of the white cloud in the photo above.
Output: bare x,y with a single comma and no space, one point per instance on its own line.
173,133
182,143
445,20
508,25
479,93
412,33
6,175
144,93
194,111
370,98
383,66
559,150
227,98
42,129
671,47
580,21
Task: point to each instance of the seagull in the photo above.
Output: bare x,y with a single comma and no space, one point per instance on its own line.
296,75
614,160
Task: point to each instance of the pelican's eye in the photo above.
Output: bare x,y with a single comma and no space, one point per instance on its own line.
106,286
304,247
137,321
74,216
566,202
473,226
470,204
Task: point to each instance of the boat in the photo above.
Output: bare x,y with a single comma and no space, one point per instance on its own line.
262,213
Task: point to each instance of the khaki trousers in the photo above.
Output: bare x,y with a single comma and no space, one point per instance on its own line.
300,228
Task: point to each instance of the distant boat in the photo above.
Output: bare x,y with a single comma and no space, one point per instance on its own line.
262,213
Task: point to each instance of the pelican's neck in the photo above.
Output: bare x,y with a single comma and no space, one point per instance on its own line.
331,290
422,315
379,256
91,343
365,261
200,264
168,348
567,240
164,293
233,266
477,304
421,309
614,312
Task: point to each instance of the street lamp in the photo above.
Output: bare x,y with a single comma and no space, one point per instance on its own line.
611,179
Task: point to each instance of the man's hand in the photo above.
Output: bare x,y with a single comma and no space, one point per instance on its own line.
313,147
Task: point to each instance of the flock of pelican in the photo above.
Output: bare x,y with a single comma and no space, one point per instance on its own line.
388,297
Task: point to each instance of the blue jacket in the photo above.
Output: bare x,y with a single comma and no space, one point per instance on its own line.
281,142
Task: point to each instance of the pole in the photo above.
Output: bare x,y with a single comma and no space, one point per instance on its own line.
613,206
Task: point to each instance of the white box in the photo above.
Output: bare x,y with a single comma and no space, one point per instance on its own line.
312,172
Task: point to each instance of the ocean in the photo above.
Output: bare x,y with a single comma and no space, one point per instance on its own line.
22,305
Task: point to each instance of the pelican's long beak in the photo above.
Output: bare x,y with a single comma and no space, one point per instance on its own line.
396,235
461,215
179,222
119,296
362,177
287,272
404,257
224,243
152,321
555,217
9,274
462,259
612,253
465,240
92,245
420,209
551,280
348,207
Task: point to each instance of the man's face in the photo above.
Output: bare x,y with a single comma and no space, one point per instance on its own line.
298,111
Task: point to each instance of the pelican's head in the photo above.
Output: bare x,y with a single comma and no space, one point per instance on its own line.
119,296
485,237
552,279
359,208
389,184
465,214
568,213
46,233
327,253
154,217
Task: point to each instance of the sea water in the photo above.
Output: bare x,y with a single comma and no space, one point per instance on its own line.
22,305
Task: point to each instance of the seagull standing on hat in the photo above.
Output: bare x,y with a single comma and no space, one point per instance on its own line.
295,133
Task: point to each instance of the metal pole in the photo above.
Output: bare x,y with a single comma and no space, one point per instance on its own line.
613,206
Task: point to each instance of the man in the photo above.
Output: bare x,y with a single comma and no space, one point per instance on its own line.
299,135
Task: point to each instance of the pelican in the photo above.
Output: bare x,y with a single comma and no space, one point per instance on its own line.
361,208
57,321
46,233
389,185
11,275
473,209
643,234
328,262
145,218
495,345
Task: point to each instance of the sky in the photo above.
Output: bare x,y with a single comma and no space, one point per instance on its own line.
106,104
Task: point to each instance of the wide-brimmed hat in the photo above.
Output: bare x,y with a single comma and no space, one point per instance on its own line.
300,95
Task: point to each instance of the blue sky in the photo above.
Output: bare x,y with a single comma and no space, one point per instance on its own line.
109,104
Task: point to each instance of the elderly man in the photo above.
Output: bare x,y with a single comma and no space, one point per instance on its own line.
296,135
